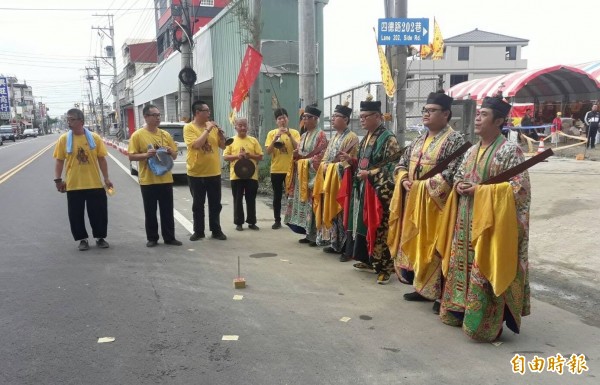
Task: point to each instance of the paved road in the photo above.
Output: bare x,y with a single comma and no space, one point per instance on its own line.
168,308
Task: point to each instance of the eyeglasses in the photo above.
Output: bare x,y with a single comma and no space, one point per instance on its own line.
204,110
154,115
363,117
307,116
429,111
337,116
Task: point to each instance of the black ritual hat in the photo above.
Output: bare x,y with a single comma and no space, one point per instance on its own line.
496,103
313,110
344,110
369,105
441,99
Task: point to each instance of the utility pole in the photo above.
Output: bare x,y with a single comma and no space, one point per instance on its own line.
400,11
89,78
254,94
307,51
101,101
185,91
110,54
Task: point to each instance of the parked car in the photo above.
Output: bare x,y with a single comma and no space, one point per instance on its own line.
176,131
8,133
30,132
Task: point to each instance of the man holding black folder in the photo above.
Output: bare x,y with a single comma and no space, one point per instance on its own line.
484,234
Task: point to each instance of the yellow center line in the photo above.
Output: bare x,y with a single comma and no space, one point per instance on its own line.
4,177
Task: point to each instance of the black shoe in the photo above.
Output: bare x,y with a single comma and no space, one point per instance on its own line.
303,240
345,258
436,307
196,236
101,243
414,296
313,244
151,244
330,250
253,227
239,228
219,236
276,225
83,245
173,242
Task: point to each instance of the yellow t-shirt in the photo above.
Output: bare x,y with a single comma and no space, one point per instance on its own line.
82,170
138,144
206,161
281,159
251,145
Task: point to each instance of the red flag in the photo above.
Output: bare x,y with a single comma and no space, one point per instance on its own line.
344,194
248,73
372,214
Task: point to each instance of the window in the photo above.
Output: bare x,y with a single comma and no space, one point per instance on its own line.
207,3
463,53
455,79
511,53
161,8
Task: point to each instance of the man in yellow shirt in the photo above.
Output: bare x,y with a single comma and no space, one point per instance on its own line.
155,189
84,153
280,143
243,147
203,139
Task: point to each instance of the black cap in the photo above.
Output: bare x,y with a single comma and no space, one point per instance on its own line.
344,110
369,105
441,99
497,104
313,110
280,111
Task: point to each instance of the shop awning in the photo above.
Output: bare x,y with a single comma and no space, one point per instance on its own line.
551,83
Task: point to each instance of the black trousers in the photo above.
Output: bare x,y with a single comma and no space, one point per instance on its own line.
592,131
244,188
161,195
97,210
201,188
278,184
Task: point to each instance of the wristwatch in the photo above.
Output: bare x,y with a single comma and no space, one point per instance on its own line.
57,180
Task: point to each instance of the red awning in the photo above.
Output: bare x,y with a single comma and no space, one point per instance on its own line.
556,81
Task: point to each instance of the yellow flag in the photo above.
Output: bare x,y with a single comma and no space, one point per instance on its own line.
438,42
386,74
425,51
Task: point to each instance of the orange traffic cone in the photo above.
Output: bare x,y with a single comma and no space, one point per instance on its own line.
541,147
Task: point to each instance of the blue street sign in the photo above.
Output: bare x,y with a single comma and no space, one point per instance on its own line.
403,32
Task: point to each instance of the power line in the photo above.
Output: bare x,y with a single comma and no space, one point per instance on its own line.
71,9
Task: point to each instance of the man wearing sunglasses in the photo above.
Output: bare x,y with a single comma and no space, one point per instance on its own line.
412,241
371,193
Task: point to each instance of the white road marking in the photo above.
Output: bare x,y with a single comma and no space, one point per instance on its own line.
183,221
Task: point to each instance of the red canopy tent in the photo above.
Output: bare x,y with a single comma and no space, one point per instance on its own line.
551,83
